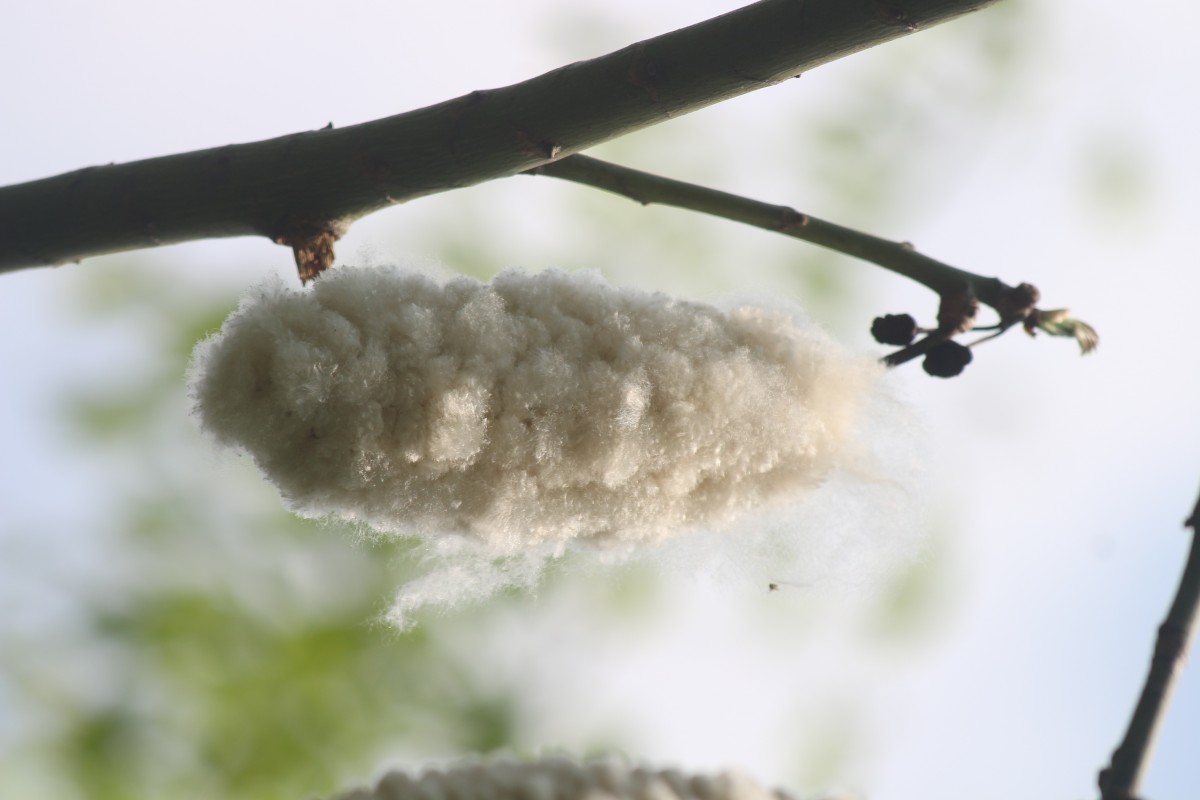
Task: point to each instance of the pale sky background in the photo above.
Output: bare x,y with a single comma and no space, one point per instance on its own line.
1056,484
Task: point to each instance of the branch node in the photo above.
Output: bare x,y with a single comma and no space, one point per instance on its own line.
1170,647
538,147
312,246
1016,303
791,219
957,312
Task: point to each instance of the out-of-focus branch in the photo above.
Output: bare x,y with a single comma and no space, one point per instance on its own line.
302,190
1122,778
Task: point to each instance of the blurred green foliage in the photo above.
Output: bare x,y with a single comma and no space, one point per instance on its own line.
228,649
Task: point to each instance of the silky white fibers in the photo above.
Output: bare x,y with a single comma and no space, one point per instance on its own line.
515,417
559,778
536,408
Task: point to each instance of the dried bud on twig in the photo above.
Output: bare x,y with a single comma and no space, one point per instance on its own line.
947,359
894,329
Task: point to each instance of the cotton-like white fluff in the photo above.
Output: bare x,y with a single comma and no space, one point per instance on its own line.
533,409
560,779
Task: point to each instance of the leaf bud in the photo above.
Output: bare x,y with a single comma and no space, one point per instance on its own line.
947,359
894,329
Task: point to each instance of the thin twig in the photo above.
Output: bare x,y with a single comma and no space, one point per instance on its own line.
899,257
1122,779
305,187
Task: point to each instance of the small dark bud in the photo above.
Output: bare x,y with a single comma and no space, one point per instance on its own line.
1026,295
895,329
947,359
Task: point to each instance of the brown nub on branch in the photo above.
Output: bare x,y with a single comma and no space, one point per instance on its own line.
894,329
312,246
957,312
946,359
1016,303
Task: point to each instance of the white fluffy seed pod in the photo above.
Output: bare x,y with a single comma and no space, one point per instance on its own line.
560,779
533,409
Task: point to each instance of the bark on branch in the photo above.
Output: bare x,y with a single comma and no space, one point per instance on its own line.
303,189
1122,779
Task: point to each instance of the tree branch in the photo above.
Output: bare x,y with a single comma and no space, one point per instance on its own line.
961,292
899,257
303,189
1121,780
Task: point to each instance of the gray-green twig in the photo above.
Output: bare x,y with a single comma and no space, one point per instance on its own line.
899,257
960,291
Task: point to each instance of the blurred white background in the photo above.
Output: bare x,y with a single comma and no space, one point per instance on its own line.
1051,143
